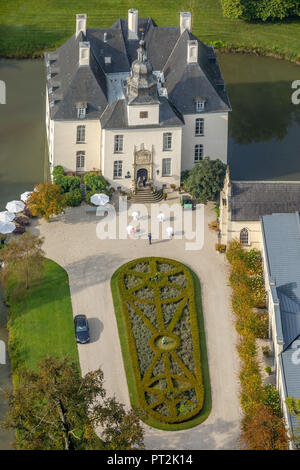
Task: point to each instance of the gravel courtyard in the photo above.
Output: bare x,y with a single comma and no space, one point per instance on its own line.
71,241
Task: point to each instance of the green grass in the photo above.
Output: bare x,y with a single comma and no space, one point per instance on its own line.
129,367
41,323
29,27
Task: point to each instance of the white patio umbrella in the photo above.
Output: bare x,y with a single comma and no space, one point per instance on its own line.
7,227
170,231
15,206
135,215
161,216
6,216
130,229
99,199
25,196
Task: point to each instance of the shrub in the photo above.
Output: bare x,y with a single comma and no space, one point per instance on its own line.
205,180
264,10
96,183
157,298
73,198
214,225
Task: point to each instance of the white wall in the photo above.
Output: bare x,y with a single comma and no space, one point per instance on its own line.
136,137
133,114
215,137
65,146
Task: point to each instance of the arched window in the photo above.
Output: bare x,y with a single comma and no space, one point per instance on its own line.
244,236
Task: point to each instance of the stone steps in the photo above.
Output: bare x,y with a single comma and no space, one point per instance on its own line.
146,196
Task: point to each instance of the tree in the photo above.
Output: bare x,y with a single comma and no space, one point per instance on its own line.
293,405
56,408
264,10
264,430
22,259
205,180
46,200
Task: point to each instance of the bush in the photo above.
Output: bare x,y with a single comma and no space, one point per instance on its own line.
73,198
157,299
205,180
264,10
96,183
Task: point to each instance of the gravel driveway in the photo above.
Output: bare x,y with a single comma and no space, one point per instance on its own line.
71,241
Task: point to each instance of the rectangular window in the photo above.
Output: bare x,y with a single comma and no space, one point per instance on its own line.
143,114
118,143
167,144
118,169
166,167
198,153
80,134
81,113
80,161
199,126
200,105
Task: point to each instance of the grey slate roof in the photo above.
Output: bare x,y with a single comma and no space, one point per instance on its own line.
167,50
115,116
281,235
252,199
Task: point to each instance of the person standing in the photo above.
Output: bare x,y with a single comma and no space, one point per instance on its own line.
149,238
144,180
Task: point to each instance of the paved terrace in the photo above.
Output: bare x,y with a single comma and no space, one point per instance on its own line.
71,241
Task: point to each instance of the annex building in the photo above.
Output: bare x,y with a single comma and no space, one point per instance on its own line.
135,101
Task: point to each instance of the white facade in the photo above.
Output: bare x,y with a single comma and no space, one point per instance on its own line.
193,136
137,139
214,139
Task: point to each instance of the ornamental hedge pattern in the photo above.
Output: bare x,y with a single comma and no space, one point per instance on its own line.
158,306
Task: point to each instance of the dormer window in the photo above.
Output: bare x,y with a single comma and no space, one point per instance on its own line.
200,104
107,60
81,113
81,109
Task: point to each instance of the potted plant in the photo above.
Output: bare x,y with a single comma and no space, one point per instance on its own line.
173,187
268,370
220,247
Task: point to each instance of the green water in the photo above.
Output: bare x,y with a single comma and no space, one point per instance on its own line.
22,142
264,126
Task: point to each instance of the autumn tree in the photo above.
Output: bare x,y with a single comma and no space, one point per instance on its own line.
293,405
22,260
47,200
264,430
56,408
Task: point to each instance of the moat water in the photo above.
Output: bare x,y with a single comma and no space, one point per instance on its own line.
264,134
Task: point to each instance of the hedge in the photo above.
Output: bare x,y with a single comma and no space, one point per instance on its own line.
155,298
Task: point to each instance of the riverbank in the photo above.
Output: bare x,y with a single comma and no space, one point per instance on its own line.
27,31
6,437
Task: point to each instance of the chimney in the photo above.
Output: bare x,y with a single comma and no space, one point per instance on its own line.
133,19
84,54
80,24
185,21
192,52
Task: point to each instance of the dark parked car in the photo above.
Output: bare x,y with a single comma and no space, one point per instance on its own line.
81,329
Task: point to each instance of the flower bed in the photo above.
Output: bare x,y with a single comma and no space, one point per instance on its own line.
157,318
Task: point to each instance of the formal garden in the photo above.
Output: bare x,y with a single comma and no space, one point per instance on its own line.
158,308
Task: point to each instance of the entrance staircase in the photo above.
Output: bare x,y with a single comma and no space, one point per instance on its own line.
146,196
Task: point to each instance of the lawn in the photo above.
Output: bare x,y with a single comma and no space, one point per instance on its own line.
29,27
159,314
41,323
